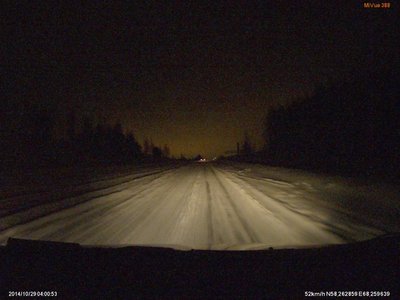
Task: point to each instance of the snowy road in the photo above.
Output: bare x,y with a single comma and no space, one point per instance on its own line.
207,206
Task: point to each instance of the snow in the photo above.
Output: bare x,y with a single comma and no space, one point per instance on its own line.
219,206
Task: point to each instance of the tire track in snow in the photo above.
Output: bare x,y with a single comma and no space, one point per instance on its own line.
64,215
344,232
250,234
209,216
15,204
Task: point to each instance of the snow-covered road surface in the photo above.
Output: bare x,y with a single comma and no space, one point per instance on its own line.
206,206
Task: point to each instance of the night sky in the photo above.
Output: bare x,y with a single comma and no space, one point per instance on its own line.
194,77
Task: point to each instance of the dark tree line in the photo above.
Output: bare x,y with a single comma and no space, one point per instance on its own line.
247,148
350,126
25,133
155,152
102,143
31,136
28,139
